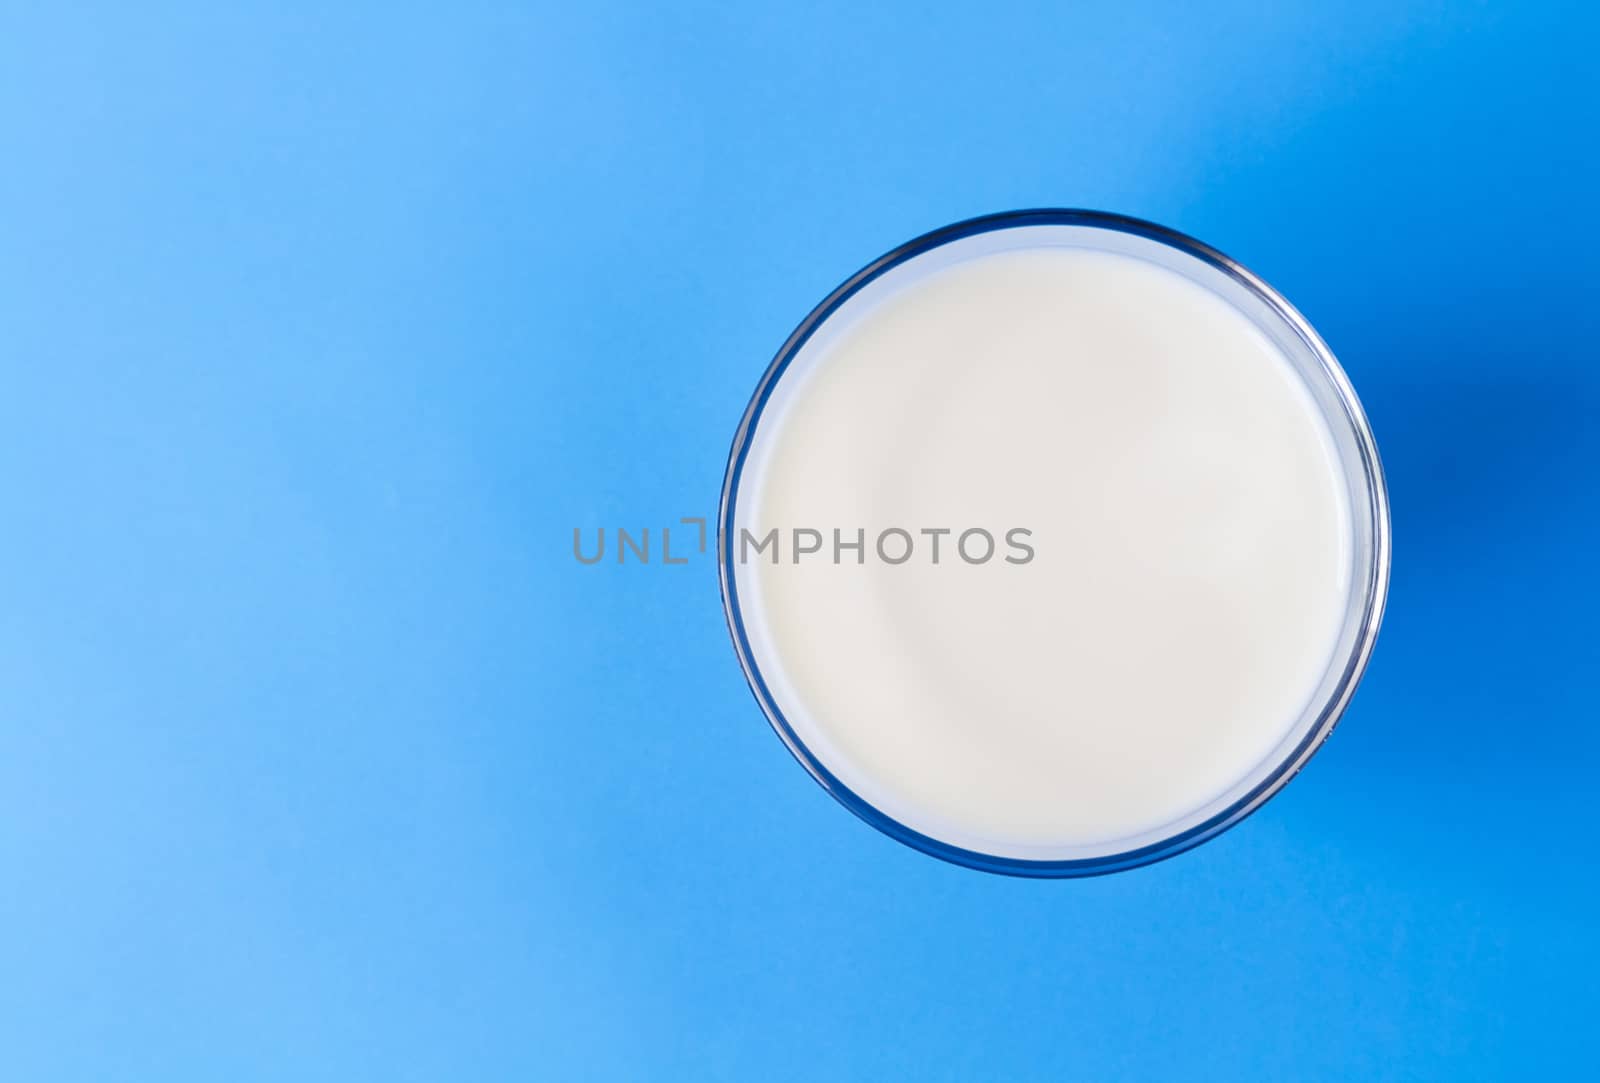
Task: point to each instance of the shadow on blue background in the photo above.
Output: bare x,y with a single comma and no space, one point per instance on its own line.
321,758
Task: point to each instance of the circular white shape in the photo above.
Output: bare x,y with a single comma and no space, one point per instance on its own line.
1165,548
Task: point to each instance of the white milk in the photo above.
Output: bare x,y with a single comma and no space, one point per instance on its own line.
1187,514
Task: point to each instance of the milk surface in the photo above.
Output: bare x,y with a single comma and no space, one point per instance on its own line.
1190,534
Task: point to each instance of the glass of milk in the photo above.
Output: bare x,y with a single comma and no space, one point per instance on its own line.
1053,543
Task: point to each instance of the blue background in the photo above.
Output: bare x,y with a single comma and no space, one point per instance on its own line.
320,757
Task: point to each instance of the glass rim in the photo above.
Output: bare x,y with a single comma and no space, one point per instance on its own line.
1375,580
